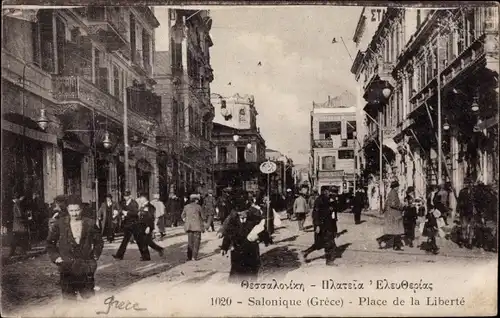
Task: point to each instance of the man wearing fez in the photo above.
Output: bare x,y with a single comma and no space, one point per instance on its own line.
244,230
324,221
74,244
130,227
194,224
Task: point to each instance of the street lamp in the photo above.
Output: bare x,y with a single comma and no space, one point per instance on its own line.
236,137
446,125
475,106
249,146
42,121
106,142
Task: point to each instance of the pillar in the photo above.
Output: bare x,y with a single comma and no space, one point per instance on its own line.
87,178
113,180
132,177
53,181
154,187
457,173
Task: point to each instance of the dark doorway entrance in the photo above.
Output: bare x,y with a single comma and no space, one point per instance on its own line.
102,171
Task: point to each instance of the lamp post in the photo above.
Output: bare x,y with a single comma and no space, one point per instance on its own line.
386,93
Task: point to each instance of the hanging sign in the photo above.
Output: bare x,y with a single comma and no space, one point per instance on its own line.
268,167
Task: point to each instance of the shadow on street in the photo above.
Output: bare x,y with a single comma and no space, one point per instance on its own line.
288,239
277,262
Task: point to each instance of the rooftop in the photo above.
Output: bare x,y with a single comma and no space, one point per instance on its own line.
344,100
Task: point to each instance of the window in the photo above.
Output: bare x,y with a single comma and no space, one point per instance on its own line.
222,154
421,76
191,119
35,32
132,37
116,82
61,41
328,163
241,154
329,128
146,57
351,128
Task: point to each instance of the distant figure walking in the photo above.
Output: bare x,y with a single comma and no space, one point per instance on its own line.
300,207
393,217
194,219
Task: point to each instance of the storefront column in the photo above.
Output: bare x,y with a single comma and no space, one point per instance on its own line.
53,170
113,180
88,192
457,173
419,174
132,178
154,178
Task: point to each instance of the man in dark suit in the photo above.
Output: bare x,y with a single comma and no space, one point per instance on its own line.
75,244
146,225
324,221
131,227
108,216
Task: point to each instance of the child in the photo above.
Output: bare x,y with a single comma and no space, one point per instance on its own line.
431,230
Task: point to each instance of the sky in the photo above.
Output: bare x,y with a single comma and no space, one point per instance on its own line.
300,64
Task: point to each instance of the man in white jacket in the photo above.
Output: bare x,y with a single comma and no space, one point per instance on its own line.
300,207
159,215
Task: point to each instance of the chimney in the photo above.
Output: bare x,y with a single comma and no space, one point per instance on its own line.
328,99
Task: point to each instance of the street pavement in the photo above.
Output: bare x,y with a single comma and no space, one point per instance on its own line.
30,287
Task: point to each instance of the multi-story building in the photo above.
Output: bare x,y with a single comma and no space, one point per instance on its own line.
436,62
333,142
282,179
239,148
68,75
184,75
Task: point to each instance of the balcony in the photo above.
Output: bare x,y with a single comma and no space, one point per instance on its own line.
331,174
75,89
245,166
190,141
107,26
328,143
381,71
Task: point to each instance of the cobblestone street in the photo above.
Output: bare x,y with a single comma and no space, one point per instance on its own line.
34,282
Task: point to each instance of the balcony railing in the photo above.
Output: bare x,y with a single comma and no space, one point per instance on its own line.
247,166
109,21
77,89
382,71
328,143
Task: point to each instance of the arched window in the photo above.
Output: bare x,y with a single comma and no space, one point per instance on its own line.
328,163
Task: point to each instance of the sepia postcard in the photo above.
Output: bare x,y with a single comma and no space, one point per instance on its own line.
249,159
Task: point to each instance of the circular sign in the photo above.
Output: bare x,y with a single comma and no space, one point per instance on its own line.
267,167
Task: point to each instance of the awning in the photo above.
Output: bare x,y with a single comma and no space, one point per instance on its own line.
29,15
389,142
487,123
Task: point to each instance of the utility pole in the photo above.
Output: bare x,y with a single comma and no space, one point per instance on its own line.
380,158
439,114
125,138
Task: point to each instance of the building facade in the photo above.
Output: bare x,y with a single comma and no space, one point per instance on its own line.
237,159
68,75
333,142
435,62
184,74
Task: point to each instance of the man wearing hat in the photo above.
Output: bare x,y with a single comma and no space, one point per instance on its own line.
108,216
146,225
74,244
209,205
130,226
194,219
243,232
